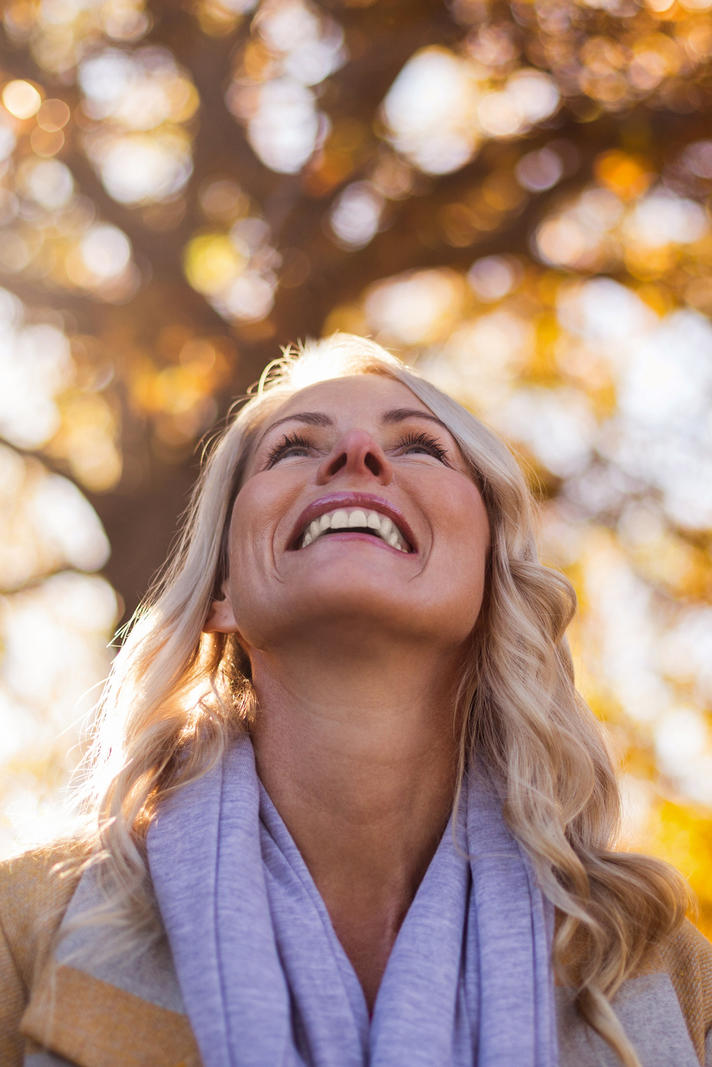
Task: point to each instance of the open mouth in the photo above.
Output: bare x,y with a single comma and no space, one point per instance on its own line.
354,520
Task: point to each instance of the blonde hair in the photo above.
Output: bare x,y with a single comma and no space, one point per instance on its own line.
176,696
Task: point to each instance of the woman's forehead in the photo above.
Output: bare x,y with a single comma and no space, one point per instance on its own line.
375,390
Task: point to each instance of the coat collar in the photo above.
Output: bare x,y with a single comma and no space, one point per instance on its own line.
99,1008
95,1024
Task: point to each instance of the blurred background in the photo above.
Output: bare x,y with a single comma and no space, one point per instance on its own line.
514,196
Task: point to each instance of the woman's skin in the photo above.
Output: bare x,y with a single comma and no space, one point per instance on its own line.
355,645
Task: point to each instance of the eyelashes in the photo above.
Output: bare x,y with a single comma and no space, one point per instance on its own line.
424,442
295,444
290,443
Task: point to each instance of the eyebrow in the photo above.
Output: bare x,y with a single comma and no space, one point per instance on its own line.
318,418
401,414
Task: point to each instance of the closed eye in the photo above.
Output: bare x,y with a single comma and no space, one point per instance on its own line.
295,444
292,444
421,441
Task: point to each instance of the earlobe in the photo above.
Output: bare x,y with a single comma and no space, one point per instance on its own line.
221,617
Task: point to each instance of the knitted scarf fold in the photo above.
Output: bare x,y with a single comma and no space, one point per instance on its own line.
266,981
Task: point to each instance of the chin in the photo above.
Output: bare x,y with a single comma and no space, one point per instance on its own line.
361,616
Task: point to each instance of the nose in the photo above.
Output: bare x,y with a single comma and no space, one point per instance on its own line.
357,453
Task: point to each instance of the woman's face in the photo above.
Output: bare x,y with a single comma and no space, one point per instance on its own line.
357,510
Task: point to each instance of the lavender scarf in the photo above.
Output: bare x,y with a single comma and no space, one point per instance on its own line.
266,982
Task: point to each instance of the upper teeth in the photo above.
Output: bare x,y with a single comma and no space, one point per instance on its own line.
352,518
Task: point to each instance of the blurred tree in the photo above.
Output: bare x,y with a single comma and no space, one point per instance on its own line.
515,194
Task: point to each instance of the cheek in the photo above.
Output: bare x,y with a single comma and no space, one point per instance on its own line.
258,527
250,565
252,526
465,516
469,541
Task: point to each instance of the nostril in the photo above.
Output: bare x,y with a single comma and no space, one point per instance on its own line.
372,463
356,452
338,462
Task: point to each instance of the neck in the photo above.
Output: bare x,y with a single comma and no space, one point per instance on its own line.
359,755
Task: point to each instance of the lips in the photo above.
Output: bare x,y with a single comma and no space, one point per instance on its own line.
348,501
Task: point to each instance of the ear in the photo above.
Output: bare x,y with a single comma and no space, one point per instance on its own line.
221,617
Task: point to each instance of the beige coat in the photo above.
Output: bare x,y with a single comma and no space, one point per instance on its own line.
126,1017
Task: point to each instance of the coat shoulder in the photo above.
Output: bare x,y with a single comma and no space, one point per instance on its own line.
35,889
687,958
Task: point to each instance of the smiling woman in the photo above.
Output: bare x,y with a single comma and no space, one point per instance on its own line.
363,513
345,804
